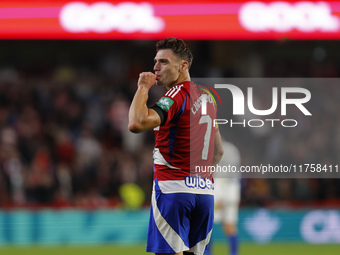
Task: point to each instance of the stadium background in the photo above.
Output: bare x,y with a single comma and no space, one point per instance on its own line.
72,176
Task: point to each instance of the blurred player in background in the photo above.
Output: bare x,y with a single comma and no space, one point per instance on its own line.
182,202
227,196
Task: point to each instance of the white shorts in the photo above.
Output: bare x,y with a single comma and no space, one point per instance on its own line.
227,199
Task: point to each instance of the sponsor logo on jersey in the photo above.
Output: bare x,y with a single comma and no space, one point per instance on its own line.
198,182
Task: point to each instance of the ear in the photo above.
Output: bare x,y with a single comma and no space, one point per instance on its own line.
184,66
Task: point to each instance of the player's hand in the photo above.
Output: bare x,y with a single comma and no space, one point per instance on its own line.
146,79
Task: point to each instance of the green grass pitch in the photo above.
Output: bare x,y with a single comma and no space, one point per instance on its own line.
219,249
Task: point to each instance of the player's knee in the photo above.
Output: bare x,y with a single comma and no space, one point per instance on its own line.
230,229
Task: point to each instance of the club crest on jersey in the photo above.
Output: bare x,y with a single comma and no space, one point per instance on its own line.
165,103
198,182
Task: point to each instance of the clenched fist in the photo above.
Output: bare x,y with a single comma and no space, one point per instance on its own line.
146,79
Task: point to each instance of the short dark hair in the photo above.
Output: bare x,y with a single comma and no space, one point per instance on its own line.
178,47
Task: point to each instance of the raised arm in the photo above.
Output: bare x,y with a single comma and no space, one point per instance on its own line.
142,118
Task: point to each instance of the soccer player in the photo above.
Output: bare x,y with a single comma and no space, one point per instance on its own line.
227,196
182,203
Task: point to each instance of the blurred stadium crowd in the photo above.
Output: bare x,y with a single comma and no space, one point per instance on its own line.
63,121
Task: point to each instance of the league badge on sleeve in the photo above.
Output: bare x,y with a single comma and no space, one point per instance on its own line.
165,103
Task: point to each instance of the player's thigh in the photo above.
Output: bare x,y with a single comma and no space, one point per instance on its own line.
202,218
176,207
173,214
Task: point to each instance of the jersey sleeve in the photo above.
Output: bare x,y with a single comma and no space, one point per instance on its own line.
173,103
161,113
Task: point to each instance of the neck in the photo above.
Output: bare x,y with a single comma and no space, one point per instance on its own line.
181,78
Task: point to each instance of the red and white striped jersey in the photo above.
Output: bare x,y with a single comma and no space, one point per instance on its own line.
184,144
